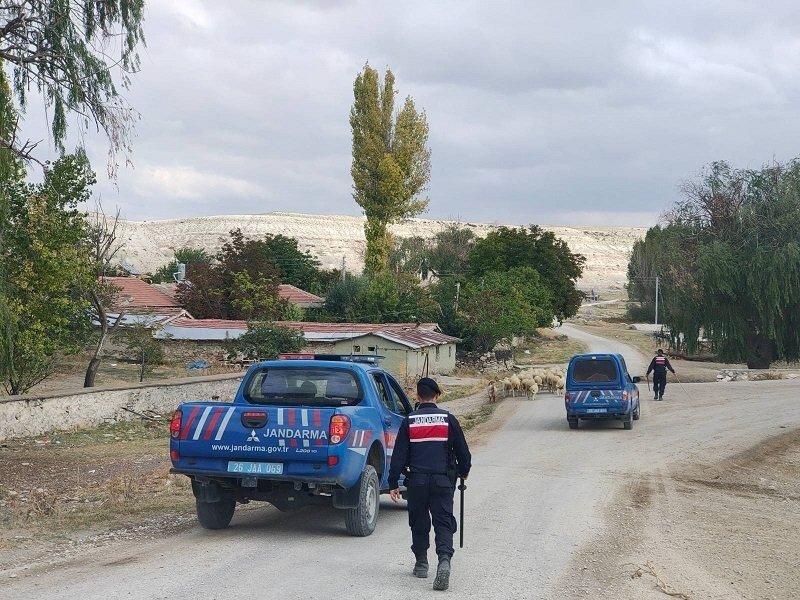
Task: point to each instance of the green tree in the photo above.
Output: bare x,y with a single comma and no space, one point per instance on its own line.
137,339
391,161
265,341
730,264
500,305
240,283
294,266
187,256
507,248
379,298
68,52
46,271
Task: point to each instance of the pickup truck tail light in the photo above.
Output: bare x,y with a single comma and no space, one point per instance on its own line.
339,428
175,425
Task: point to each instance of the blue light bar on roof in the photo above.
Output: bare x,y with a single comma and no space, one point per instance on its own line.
372,359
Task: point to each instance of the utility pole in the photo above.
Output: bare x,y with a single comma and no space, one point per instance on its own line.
656,300
343,269
455,304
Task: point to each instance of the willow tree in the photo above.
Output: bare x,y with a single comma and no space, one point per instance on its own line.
732,273
391,161
69,52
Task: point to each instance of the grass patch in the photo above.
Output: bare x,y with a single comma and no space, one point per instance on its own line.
474,419
549,347
767,376
105,478
459,391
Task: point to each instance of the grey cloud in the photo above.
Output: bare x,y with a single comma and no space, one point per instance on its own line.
539,112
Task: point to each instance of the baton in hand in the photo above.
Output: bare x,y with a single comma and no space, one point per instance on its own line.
461,486
648,382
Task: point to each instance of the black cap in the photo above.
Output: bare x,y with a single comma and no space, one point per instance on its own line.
660,351
426,384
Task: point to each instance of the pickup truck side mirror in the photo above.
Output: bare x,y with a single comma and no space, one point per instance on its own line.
637,379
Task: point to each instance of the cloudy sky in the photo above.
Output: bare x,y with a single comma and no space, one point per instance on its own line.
570,113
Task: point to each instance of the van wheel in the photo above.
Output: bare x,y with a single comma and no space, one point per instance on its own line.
360,521
215,515
573,423
636,414
627,423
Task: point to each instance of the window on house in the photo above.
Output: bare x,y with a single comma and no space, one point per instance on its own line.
356,349
370,348
437,353
450,352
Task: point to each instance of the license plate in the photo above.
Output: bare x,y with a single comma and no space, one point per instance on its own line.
596,410
255,468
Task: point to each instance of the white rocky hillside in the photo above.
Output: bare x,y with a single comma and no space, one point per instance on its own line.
150,244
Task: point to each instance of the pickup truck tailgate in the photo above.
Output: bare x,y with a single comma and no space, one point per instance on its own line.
237,432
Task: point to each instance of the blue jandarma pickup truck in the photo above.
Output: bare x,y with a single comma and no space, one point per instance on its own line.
598,386
315,429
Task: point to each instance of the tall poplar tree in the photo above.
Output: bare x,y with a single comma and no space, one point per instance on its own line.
391,161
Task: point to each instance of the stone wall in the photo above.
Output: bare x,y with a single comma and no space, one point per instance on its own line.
36,415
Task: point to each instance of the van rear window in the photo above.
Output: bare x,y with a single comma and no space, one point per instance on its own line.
588,370
303,387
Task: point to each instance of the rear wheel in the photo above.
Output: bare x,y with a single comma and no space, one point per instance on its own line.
360,521
215,515
627,422
573,423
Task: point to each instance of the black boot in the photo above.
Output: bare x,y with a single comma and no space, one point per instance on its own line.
421,567
442,580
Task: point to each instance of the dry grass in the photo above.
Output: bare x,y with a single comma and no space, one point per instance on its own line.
93,479
549,347
767,376
477,417
460,391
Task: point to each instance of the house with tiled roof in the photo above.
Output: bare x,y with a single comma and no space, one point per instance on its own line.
410,349
303,299
137,300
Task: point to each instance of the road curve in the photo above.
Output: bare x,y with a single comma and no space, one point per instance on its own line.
536,497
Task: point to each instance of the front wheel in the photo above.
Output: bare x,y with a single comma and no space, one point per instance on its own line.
215,515
360,521
636,413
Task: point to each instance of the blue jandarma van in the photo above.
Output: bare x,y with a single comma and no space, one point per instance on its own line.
598,386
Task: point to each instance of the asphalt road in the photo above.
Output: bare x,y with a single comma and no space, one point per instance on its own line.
536,497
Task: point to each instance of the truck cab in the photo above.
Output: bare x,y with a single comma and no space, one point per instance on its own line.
310,430
598,386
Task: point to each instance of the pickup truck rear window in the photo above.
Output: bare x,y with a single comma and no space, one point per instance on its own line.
586,370
303,387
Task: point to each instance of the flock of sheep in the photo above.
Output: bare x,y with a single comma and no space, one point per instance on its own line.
528,382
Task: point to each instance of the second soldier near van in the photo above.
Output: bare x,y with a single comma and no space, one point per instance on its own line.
658,366
432,451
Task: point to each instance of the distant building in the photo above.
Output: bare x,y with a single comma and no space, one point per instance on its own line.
137,300
410,349
303,299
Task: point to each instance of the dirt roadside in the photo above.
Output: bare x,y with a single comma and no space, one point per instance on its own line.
724,530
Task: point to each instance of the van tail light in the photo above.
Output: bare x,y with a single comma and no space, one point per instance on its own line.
625,396
339,428
175,425
566,396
